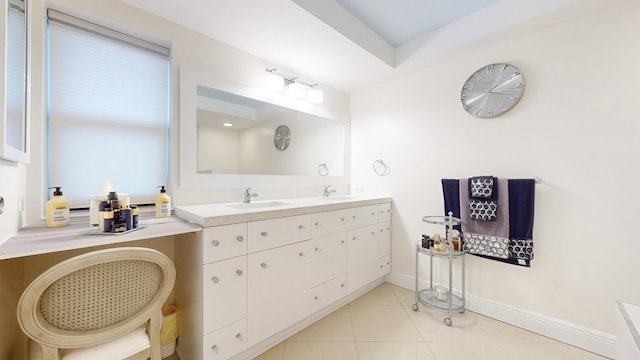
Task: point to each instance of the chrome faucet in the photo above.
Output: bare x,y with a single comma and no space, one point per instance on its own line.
248,196
327,192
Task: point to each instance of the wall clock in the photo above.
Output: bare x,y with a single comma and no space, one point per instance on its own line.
282,137
492,90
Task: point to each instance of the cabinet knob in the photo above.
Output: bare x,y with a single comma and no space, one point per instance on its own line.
354,238
240,238
239,337
215,279
301,254
315,298
215,349
264,233
301,227
341,285
355,217
317,249
341,241
381,230
264,265
215,243
381,266
341,219
317,224
239,272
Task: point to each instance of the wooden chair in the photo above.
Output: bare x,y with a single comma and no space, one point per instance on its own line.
104,304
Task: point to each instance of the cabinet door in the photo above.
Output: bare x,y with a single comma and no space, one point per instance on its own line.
362,257
225,293
384,265
278,289
328,258
267,234
226,342
383,238
223,242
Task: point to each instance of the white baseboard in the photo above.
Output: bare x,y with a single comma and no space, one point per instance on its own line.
579,336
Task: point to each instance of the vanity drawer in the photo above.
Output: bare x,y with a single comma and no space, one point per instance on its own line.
226,342
363,216
223,242
384,211
225,293
330,222
267,234
325,294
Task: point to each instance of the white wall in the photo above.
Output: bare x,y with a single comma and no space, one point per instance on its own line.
188,48
576,127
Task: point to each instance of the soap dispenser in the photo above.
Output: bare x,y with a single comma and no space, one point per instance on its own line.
58,210
163,203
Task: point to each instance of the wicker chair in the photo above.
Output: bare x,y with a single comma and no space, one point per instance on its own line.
104,304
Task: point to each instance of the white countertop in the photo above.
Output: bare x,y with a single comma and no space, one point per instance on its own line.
40,240
190,218
224,213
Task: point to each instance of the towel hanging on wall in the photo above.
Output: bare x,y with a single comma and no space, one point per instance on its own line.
510,237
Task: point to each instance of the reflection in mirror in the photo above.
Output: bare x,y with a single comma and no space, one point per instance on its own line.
14,146
236,134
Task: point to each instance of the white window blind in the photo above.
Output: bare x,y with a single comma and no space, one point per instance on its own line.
108,111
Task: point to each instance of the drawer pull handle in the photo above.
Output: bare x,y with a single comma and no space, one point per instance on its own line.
381,266
264,233
381,230
215,279
239,337
317,249
300,227
315,298
301,254
215,243
341,241
239,272
355,217
341,219
240,238
341,285
317,224
215,349
264,265
373,213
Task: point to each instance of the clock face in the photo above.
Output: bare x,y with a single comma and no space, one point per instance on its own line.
492,90
282,137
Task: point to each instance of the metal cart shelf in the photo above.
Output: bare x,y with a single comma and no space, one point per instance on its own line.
428,297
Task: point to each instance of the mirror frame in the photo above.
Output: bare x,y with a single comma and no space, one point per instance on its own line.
7,151
190,79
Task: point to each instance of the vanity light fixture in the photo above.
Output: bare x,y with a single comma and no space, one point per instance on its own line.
295,88
227,124
273,81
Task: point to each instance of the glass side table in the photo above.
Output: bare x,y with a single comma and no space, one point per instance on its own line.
434,297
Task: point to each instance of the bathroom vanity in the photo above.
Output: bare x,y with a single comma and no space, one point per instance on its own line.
257,273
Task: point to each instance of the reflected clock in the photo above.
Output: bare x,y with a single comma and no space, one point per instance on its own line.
282,137
492,90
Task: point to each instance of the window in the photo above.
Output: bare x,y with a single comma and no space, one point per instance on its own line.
108,111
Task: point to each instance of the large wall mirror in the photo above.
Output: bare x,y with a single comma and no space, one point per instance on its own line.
14,125
231,135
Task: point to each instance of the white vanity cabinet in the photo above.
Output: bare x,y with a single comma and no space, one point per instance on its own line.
278,289
242,287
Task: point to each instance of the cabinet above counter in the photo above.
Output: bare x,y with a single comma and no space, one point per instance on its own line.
208,215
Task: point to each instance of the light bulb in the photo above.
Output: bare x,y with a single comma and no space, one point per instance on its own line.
297,90
315,96
274,82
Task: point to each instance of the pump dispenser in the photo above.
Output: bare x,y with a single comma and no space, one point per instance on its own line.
58,210
163,203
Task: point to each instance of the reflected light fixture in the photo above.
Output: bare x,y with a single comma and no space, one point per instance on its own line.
295,88
227,124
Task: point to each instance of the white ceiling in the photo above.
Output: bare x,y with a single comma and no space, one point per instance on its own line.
323,41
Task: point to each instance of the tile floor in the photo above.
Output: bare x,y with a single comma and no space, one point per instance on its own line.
381,325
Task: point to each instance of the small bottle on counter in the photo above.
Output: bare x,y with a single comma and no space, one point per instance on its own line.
163,203
58,209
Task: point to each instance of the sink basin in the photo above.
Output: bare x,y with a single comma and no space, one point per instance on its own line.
258,205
